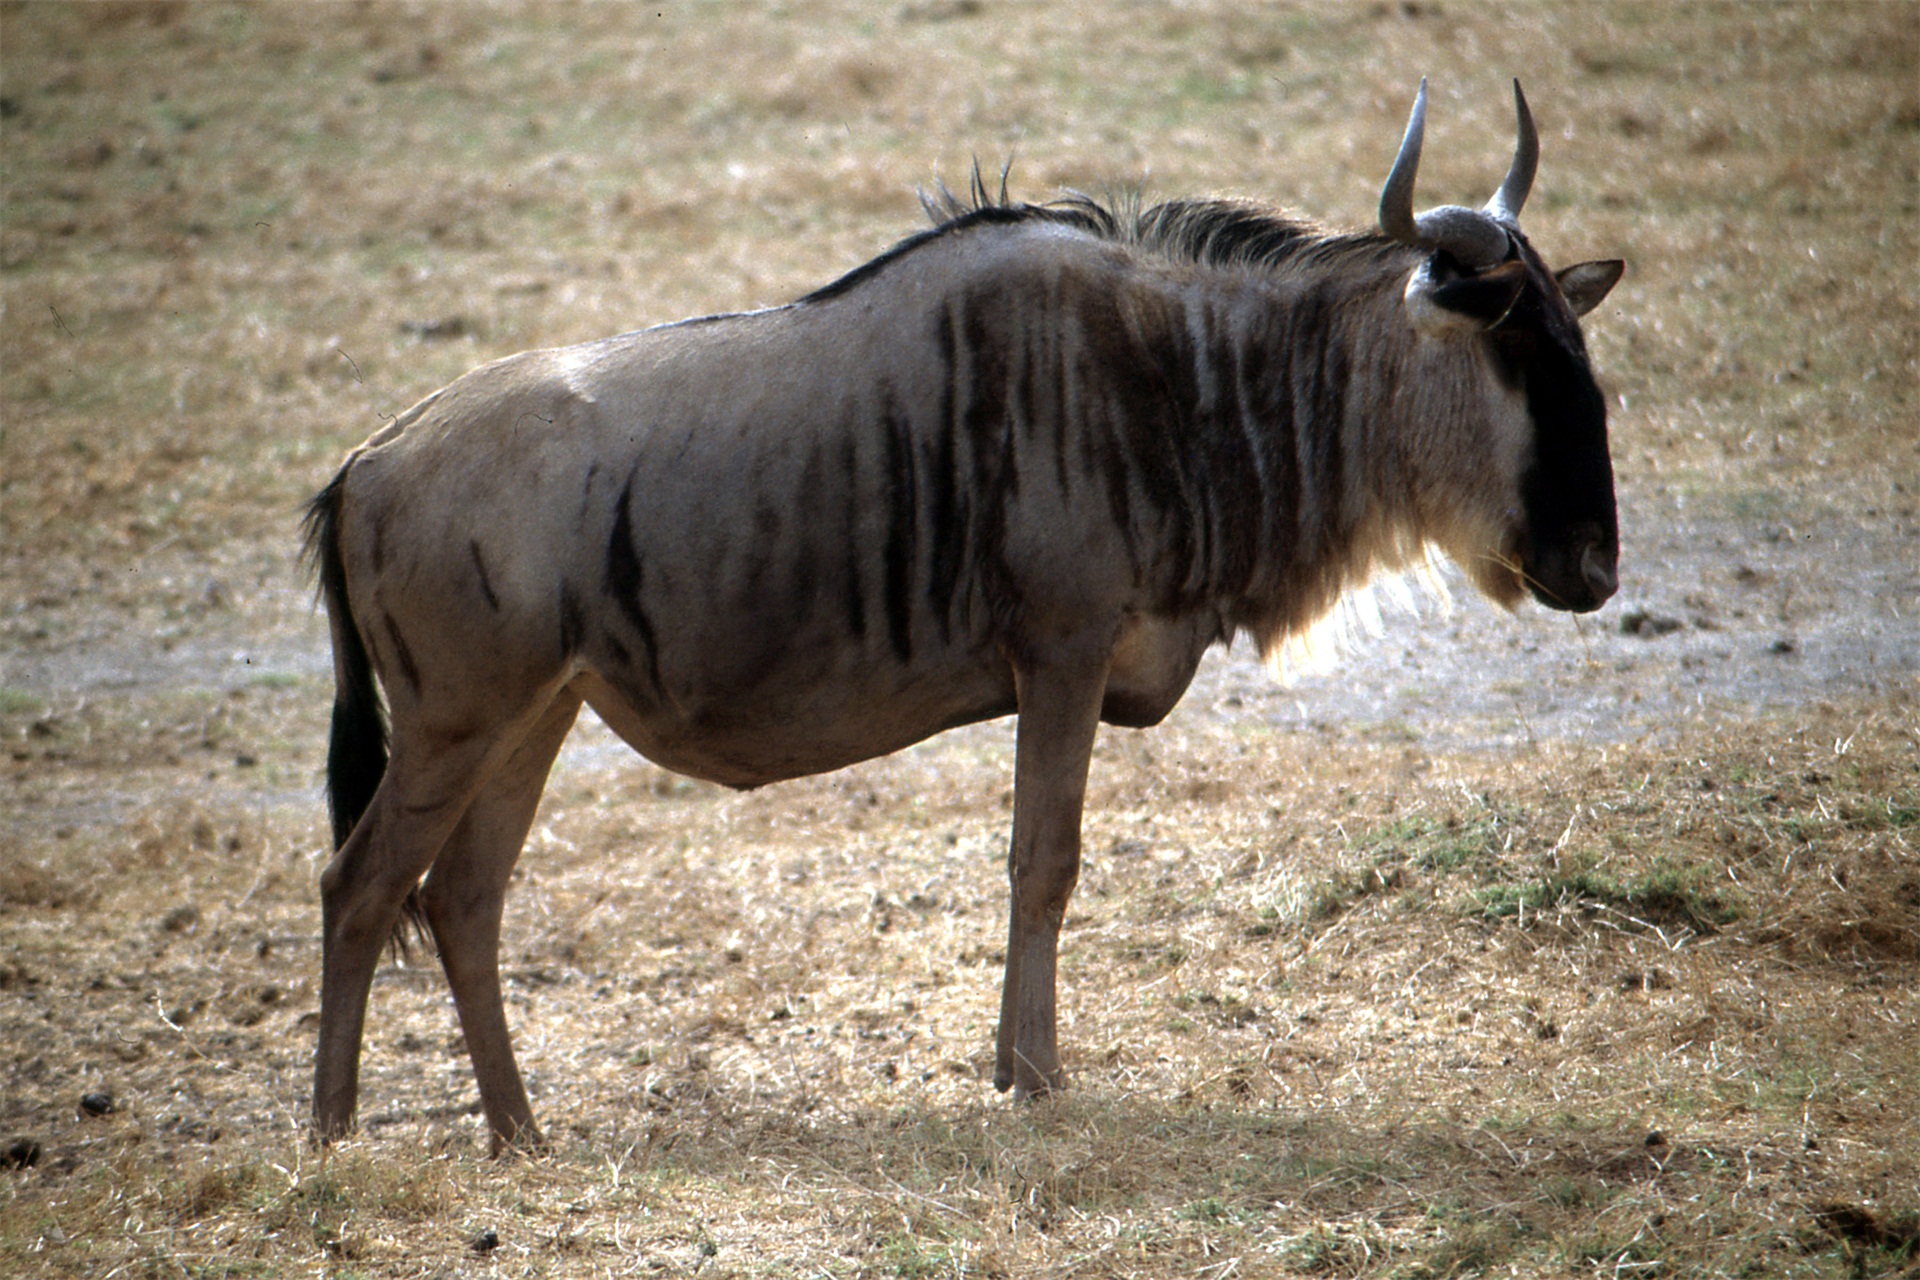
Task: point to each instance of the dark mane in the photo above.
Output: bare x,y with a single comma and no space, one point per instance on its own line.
1208,231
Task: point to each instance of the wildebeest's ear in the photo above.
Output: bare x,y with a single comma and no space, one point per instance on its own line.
1484,298
1586,283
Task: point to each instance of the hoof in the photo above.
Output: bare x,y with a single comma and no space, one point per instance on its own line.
1026,1080
527,1142
1030,1086
321,1136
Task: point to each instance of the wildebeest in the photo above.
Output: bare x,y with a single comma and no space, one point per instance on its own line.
1034,460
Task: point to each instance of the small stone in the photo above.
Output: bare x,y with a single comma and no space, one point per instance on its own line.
439,329
487,1241
1646,624
96,1104
22,1153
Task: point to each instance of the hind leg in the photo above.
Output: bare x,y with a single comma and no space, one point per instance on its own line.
463,897
430,781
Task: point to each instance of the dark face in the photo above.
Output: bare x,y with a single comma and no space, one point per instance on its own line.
1569,546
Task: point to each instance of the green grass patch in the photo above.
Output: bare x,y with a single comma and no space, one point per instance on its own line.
1666,894
18,702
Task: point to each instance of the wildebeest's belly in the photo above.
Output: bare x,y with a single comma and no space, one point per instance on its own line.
788,718
769,730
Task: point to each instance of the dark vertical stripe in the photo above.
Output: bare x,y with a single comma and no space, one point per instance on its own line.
1273,402
990,434
953,503
1204,505
984,389
1253,536
586,497
1047,398
1121,396
1088,391
623,581
762,550
1111,460
1234,484
1141,405
809,545
946,534
902,530
856,599
987,478
1191,389
853,538
402,653
379,551
1329,411
573,621
1316,427
945,344
486,584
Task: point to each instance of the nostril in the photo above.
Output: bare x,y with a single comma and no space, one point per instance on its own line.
1597,568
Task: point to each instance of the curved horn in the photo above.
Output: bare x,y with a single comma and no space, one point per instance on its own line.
1396,198
1506,202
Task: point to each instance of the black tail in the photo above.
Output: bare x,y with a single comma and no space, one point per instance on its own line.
357,748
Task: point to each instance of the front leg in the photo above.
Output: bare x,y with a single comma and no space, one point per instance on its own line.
1060,693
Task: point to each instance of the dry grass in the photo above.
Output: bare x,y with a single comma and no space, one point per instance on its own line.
1376,1013
1336,1005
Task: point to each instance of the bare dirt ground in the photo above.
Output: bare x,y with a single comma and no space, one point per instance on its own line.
1511,945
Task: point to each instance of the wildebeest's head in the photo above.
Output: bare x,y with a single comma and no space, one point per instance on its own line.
1482,282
